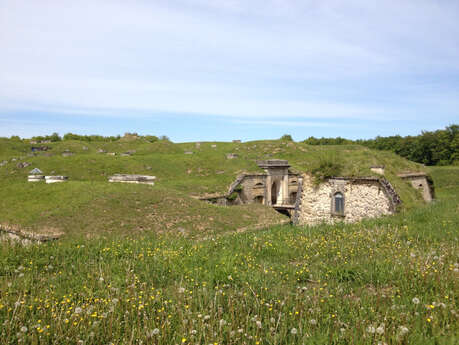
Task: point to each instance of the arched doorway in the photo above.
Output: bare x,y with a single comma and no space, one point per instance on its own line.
274,191
258,199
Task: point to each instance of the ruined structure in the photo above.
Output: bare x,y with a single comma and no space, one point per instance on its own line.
124,178
420,181
347,199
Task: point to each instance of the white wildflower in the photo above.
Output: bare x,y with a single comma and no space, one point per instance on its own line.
155,331
272,320
207,317
23,329
403,330
258,323
240,330
415,300
380,329
194,331
78,310
371,329
222,322
313,322
181,290
294,331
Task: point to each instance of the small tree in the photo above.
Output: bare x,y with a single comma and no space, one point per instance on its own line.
286,137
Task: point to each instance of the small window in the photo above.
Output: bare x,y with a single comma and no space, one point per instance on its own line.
338,203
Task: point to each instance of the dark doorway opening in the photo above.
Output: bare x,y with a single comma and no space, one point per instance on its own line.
274,191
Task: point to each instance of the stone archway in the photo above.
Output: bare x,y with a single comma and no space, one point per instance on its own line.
274,192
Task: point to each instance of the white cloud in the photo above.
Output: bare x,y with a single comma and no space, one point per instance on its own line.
226,58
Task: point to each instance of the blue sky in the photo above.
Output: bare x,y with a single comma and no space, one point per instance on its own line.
234,69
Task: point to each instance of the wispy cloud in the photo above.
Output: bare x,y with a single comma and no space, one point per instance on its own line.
281,60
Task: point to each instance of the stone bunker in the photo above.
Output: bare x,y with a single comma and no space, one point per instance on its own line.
347,199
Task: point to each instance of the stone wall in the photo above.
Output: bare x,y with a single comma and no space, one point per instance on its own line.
363,198
419,181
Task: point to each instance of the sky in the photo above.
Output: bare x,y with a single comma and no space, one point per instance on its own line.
204,70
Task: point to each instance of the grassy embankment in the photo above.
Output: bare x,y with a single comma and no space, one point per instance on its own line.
388,281
89,204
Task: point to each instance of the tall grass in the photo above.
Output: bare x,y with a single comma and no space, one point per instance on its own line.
392,280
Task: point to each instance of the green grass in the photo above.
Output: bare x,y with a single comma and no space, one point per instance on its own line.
365,283
89,204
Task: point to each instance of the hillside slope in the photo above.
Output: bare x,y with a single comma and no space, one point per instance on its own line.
89,204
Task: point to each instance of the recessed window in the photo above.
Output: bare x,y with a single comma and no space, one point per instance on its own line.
338,203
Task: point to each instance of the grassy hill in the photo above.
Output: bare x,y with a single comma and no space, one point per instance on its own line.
392,280
89,204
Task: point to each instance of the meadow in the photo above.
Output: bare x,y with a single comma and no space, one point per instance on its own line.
88,204
388,281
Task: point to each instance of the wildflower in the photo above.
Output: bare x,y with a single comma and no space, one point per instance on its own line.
240,330
183,340
207,317
181,290
23,329
272,320
155,331
78,310
380,329
371,329
403,330
293,331
222,322
313,322
415,300
194,331
258,322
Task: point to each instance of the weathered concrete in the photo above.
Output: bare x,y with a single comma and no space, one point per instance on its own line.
419,181
55,179
125,178
378,169
36,178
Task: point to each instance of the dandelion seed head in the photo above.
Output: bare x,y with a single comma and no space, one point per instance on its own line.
293,331
403,330
415,300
